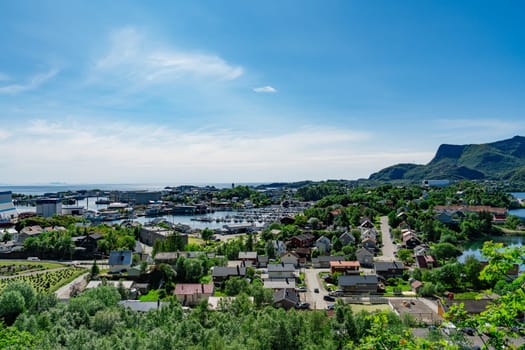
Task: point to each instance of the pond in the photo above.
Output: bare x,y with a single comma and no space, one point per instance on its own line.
474,247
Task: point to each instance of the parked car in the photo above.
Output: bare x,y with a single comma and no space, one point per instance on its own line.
316,290
330,307
303,306
469,331
301,289
329,298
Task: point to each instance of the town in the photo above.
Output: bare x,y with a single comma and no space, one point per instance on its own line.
333,248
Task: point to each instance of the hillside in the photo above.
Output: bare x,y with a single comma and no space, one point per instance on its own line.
498,160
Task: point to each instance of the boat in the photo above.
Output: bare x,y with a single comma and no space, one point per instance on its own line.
102,201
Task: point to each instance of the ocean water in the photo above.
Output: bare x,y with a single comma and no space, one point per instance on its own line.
36,190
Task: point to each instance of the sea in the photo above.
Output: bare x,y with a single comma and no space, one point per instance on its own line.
37,190
518,212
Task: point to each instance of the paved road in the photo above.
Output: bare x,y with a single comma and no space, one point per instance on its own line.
63,293
312,281
389,247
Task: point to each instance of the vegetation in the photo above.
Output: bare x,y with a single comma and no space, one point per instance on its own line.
47,281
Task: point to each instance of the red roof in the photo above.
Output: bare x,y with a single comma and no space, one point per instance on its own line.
193,288
344,264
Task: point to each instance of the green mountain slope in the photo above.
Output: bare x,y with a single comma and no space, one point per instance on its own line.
498,160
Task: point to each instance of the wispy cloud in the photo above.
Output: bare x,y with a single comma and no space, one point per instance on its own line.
32,84
265,89
152,153
135,57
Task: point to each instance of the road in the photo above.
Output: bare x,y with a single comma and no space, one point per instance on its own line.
63,293
389,248
312,281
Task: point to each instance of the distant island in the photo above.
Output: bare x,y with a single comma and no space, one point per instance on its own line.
500,160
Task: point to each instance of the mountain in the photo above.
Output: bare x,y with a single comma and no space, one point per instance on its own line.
498,160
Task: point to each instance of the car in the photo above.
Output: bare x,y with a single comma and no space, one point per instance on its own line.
329,298
469,331
303,306
316,290
330,307
301,289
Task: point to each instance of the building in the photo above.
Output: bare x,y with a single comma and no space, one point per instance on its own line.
365,257
7,209
425,262
285,298
323,261
347,238
119,261
345,267
136,197
358,283
248,256
276,271
29,231
387,269
323,244
220,274
149,234
290,258
191,294
304,240
48,207
286,283
73,210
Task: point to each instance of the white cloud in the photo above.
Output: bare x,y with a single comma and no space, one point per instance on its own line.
265,89
32,84
135,57
75,152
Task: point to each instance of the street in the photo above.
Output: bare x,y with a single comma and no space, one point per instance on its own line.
312,281
389,247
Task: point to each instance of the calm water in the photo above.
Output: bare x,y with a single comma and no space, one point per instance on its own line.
41,189
473,247
518,212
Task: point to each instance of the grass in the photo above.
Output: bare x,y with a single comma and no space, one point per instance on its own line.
48,281
195,240
24,266
205,279
369,308
468,295
153,295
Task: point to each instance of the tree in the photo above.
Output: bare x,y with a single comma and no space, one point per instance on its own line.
445,251
12,304
95,270
206,234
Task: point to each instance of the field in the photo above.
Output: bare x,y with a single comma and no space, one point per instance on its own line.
46,281
15,267
369,308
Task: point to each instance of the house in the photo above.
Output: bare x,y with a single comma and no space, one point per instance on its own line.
347,238
365,257
248,256
220,274
304,240
358,283
89,243
323,261
366,223
421,249
369,233
369,243
387,269
344,267
416,285
167,258
275,284
119,261
150,234
304,254
471,306
276,271
285,298
279,247
425,262
323,244
262,261
191,294
410,239
290,258
143,306
29,231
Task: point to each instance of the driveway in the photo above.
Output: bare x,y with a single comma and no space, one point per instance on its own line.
312,281
389,247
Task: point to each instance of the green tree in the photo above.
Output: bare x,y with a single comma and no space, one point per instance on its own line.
206,234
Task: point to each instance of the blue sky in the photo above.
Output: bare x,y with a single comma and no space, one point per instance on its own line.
243,91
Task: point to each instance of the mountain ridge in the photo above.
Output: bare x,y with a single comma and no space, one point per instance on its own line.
503,159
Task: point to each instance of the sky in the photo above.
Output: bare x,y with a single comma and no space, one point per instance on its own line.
244,91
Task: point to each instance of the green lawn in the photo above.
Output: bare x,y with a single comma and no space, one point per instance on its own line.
48,281
15,267
370,308
153,295
468,295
